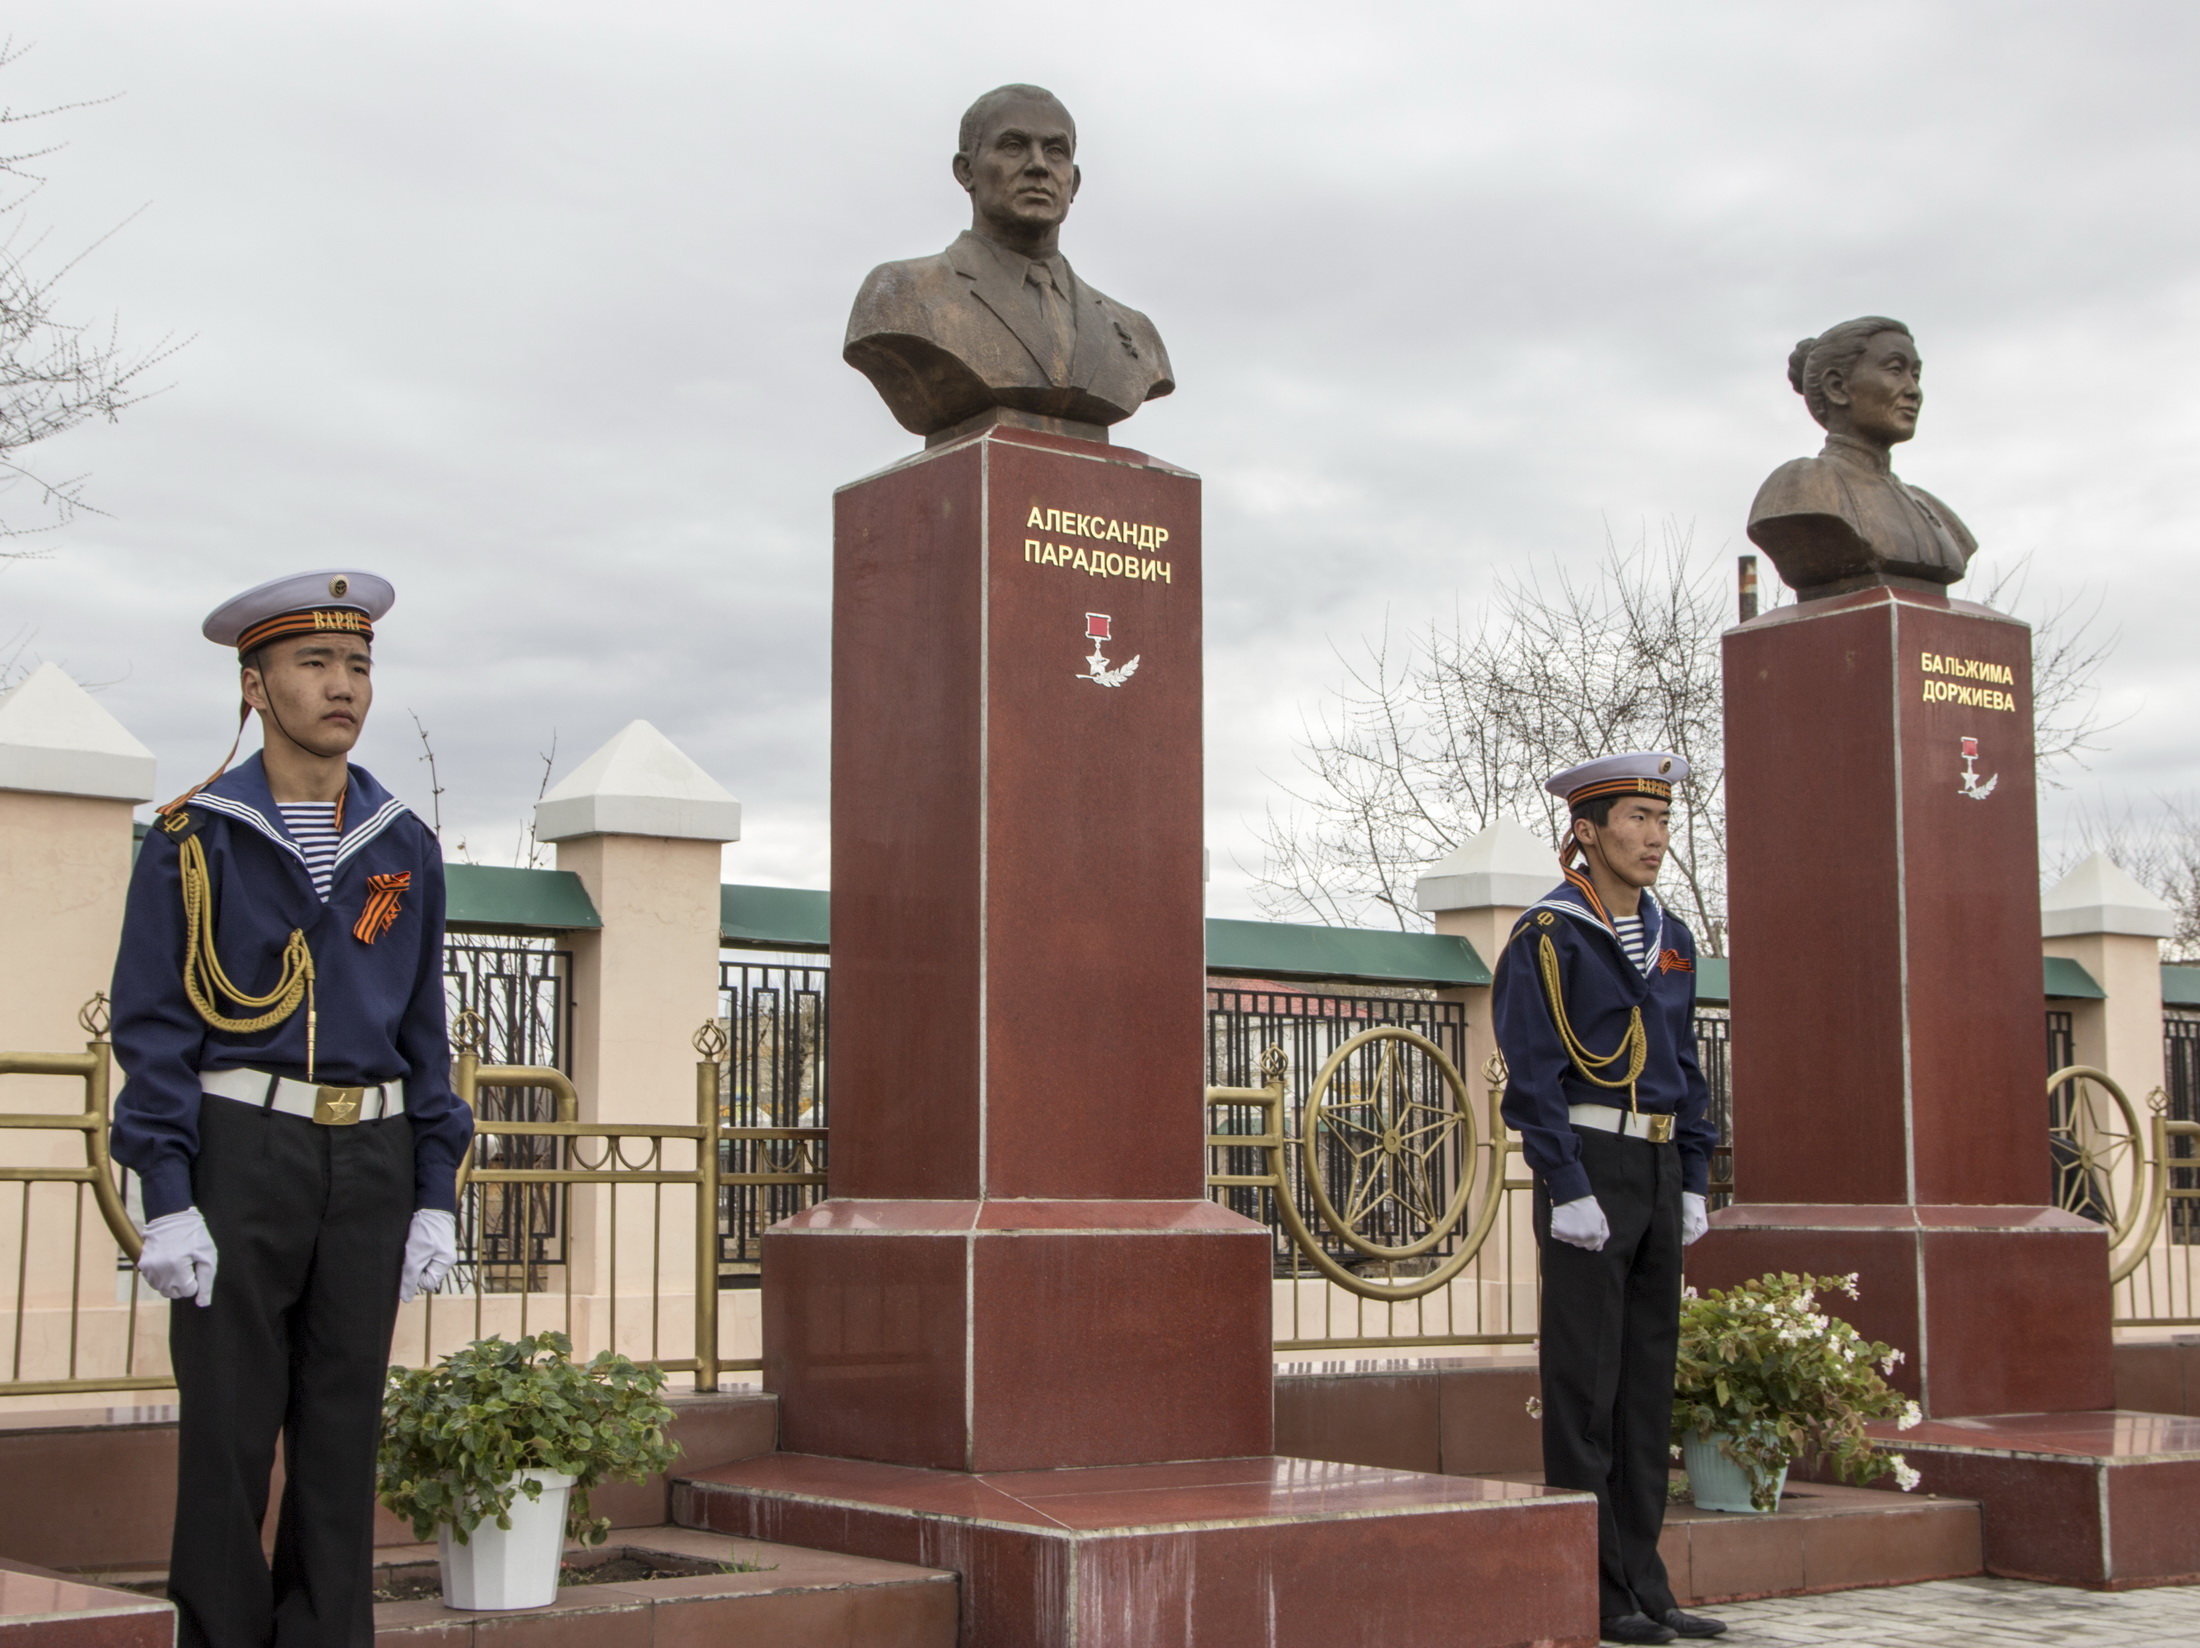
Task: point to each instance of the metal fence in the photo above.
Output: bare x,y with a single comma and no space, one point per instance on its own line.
775,1016
1715,1052
70,1323
516,997
570,1221
1242,1025
2181,1069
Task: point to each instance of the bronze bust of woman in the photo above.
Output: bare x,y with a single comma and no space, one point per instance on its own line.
1843,520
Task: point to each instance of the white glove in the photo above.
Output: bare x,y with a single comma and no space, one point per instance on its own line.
1695,1217
1581,1223
430,1251
179,1258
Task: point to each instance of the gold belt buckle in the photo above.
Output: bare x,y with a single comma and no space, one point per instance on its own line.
1661,1127
337,1106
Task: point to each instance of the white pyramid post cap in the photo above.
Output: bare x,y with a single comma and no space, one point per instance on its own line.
1508,866
57,739
640,783
2099,896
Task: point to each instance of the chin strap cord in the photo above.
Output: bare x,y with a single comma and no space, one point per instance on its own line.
205,982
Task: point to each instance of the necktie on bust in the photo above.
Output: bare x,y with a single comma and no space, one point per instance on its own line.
1054,317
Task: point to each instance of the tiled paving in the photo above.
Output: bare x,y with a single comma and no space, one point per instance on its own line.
1970,1613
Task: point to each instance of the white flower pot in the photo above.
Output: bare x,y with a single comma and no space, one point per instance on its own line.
515,1567
1718,1483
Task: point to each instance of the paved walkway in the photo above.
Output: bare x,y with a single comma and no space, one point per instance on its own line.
1960,1613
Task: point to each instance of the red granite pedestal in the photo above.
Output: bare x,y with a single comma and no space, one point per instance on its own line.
1231,1553
1017,1293
1883,890
1884,895
2107,1500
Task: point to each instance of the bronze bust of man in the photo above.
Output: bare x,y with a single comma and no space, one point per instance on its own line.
999,320
1843,520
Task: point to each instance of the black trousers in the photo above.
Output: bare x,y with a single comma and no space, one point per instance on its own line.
310,1223
1611,1330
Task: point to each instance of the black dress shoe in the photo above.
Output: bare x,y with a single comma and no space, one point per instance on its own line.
1693,1625
1635,1628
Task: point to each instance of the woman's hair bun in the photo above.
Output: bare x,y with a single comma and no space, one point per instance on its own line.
1798,358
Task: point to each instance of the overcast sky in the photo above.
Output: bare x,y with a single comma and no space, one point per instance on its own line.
537,310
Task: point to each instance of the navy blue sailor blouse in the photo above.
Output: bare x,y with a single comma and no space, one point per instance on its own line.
1600,985
379,1004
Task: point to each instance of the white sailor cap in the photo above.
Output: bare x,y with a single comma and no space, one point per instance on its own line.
334,598
1640,772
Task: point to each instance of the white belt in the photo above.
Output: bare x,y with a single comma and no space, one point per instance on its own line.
330,1106
1655,1126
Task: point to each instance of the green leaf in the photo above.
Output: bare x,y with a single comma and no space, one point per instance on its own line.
455,1435
1756,1369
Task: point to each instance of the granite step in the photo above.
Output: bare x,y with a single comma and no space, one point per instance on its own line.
785,1595
94,1489
1214,1553
1470,1416
1826,1536
42,1609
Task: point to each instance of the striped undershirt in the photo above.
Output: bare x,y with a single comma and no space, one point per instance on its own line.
312,825
1629,929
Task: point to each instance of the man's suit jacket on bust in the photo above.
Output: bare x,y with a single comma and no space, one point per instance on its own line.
944,338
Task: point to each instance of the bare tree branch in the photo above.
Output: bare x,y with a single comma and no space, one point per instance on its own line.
1429,741
2159,848
1433,740
2069,649
435,785
530,856
54,374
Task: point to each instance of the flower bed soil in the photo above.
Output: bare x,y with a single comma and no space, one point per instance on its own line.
423,1581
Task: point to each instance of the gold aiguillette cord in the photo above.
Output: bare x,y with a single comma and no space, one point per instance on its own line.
205,982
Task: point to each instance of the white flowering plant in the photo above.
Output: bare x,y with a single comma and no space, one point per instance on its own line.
1773,1378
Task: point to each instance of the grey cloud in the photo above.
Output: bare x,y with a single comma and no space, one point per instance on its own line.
538,309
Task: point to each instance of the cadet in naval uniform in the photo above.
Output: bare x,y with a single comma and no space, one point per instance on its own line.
1594,1006
286,1103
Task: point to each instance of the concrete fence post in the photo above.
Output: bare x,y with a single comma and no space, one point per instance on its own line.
2101,918
70,776
641,825
1477,894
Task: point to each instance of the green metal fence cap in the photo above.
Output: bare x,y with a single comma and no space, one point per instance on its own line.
2067,980
775,918
488,898
1279,949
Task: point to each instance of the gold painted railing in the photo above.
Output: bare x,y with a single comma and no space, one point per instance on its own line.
499,1292
1404,1225
107,1331
2139,1176
53,1332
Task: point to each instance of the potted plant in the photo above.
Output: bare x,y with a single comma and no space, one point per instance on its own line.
494,1450
1766,1377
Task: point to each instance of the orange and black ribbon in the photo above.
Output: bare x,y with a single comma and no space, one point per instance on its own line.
381,911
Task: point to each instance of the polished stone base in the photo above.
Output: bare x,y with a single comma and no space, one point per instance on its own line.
2109,1500
1995,1309
1019,1335
2159,1375
1468,1417
787,1597
43,1609
1282,1553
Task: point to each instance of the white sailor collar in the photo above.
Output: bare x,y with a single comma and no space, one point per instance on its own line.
242,794
1568,899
